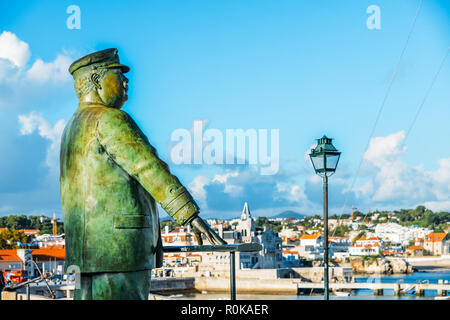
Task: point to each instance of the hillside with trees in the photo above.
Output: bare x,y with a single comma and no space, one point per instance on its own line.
30,222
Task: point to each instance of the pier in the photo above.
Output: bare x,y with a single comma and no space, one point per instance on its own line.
280,286
378,288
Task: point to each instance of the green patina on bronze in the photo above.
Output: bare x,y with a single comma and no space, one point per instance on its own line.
111,178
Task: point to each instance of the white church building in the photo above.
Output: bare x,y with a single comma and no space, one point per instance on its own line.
270,257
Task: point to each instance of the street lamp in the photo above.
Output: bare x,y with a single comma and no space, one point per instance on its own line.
325,158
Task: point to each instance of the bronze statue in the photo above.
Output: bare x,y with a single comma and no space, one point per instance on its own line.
110,179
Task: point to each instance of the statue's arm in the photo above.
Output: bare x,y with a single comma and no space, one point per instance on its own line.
127,146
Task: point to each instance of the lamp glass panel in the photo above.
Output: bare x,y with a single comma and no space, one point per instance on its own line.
332,161
318,162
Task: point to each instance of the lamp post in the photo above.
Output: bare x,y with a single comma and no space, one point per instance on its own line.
325,158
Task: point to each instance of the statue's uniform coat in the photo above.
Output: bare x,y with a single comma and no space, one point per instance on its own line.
110,179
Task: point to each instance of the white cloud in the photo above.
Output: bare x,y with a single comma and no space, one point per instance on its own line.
389,183
18,82
22,79
441,180
13,49
229,186
228,191
438,205
383,150
198,184
33,121
314,178
197,187
395,182
292,193
306,157
55,71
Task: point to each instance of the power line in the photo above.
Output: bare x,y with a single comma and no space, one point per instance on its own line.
420,107
426,95
383,102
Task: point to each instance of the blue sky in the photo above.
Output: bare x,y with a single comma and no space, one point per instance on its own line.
306,68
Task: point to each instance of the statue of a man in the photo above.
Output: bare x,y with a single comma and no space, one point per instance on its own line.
111,178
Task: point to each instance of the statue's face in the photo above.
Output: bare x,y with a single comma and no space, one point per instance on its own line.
114,88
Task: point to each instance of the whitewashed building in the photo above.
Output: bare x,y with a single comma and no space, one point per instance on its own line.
371,246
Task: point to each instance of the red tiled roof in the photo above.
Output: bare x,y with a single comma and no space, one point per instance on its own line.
386,252
30,231
436,237
310,236
54,246
9,255
363,238
49,253
415,248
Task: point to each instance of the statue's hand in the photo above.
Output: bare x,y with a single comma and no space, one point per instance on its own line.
199,227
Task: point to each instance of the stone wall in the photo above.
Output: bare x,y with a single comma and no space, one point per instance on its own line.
278,286
316,274
172,284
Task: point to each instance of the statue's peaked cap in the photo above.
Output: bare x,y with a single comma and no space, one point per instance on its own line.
107,58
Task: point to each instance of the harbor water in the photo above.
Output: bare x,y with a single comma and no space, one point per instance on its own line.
363,294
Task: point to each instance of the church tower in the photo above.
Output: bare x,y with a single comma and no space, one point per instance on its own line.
246,225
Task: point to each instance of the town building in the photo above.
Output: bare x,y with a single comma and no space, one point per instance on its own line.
414,251
289,235
371,246
291,257
30,232
271,254
245,232
48,241
180,236
339,247
10,260
47,259
397,234
437,243
311,246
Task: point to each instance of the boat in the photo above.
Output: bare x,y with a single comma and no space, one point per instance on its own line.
442,298
342,293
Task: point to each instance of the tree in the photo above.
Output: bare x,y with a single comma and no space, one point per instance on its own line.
341,230
11,239
362,227
169,222
360,235
420,210
261,221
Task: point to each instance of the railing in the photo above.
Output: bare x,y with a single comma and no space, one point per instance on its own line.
231,248
26,284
